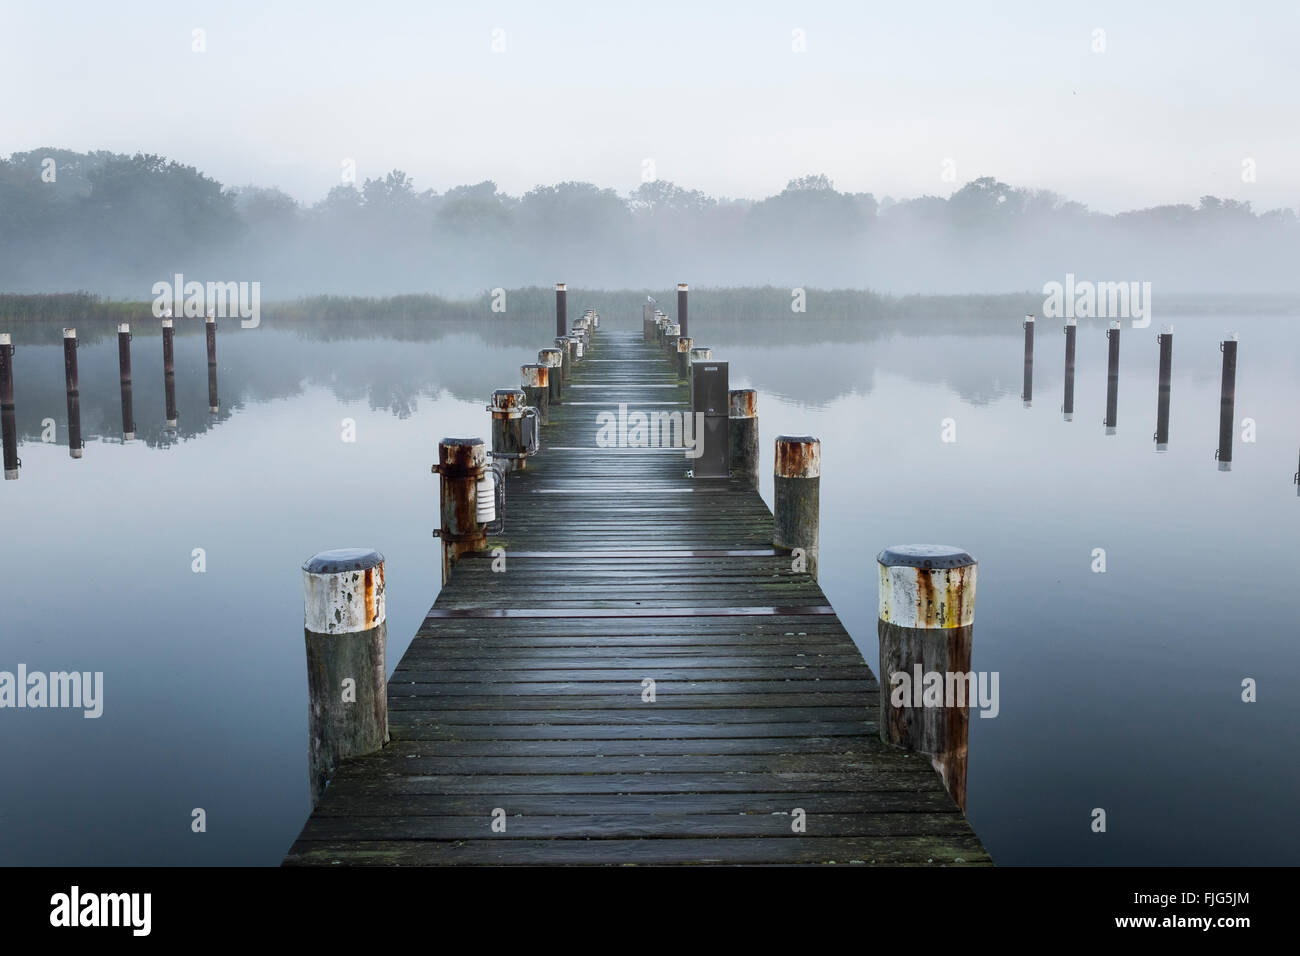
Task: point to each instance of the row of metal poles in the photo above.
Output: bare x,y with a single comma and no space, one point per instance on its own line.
1227,393
70,373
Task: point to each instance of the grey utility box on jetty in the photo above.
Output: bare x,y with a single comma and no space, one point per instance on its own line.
709,398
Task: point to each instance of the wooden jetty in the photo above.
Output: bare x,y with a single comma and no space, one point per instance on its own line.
521,726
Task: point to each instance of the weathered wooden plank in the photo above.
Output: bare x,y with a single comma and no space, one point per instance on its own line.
892,850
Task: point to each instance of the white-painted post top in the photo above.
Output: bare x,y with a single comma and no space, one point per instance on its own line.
343,591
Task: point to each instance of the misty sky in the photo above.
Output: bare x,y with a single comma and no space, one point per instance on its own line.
1183,93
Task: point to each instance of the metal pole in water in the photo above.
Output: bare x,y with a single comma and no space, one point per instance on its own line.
682,290
1068,406
75,444
169,371
124,374
1112,377
1027,394
926,626
1166,340
684,346
8,417
561,309
553,359
537,391
1227,400
742,433
462,465
796,497
346,634
210,328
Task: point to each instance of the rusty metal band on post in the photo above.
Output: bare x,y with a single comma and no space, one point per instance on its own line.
461,463
510,411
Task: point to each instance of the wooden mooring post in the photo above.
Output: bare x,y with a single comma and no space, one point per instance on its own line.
561,309
683,291
1027,390
1227,401
796,499
346,635
124,379
514,428
8,416
465,476
1112,378
684,346
553,359
169,371
926,626
537,389
1166,342
210,334
1067,402
75,444
742,433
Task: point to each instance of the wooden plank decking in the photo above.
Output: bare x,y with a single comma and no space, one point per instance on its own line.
523,690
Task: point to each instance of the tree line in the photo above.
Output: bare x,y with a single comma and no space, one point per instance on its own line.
114,224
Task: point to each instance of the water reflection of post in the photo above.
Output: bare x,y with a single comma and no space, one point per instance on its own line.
1027,394
124,373
75,444
1166,340
1067,407
8,420
926,630
1227,400
210,328
1112,377
169,371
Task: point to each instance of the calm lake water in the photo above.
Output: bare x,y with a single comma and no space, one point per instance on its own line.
1119,690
